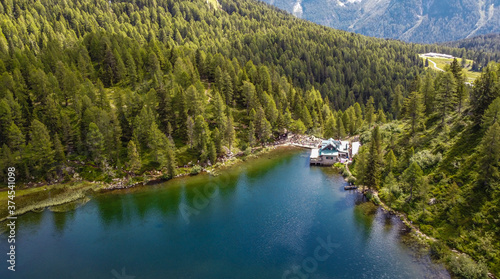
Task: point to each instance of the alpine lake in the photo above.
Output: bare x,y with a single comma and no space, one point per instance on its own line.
270,217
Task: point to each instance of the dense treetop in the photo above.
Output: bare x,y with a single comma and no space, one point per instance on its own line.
154,84
440,164
487,43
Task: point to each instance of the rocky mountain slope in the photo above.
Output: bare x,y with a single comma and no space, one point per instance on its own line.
425,21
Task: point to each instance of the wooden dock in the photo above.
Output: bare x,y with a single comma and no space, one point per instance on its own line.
304,146
350,187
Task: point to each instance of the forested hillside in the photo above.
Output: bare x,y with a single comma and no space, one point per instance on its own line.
94,89
440,164
100,89
419,21
486,43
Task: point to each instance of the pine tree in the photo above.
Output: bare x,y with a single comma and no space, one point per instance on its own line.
298,127
212,152
463,62
413,178
361,166
227,88
201,134
485,90
370,111
171,161
489,162
340,129
306,118
229,133
251,134
217,140
40,147
219,112
381,117
424,191
414,111
446,94
60,157
157,142
374,166
142,123
134,159
330,128
392,185
264,129
190,131
427,91
461,91
15,138
95,142
492,114
390,162
5,120
359,116
397,102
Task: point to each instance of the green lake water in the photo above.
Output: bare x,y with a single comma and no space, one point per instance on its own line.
272,217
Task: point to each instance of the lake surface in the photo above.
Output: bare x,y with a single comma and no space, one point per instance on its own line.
273,217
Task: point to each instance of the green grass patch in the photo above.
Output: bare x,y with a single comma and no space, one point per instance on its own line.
46,196
444,63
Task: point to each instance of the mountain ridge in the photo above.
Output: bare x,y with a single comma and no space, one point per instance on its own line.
418,21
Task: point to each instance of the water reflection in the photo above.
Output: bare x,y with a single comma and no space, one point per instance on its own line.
262,218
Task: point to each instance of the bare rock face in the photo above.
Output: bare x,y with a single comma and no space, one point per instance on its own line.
423,21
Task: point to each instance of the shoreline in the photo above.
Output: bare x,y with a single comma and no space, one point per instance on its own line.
415,232
39,198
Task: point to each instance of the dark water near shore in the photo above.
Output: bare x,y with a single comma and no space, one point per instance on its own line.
273,217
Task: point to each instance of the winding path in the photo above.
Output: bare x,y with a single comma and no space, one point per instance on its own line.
435,66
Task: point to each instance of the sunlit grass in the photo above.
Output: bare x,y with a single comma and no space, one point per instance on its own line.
444,63
46,196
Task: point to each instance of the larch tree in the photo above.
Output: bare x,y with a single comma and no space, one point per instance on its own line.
59,154
134,159
413,178
251,134
492,114
374,164
414,111
397,102
390,162
489,163
157,142
190,131
370,111
485,90
95,142
446,94
40,147
229,133
340,129
428,93
330,128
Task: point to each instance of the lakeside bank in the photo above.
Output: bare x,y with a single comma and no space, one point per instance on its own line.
59,196
434,245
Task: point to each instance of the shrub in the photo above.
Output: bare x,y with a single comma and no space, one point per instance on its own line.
247,151
465,267
438,250
196,169
373,198
425,159
351,179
